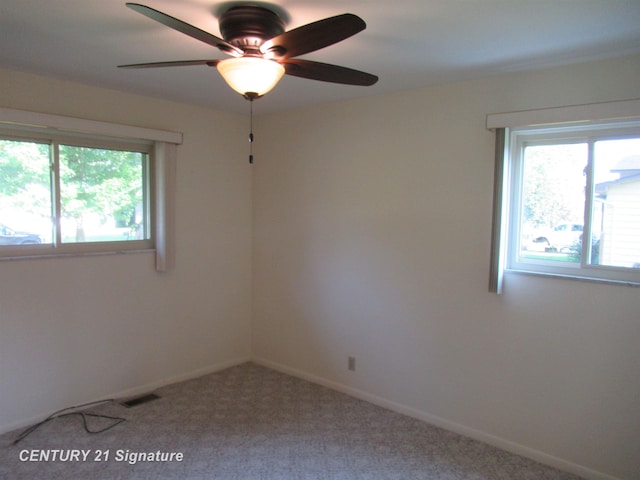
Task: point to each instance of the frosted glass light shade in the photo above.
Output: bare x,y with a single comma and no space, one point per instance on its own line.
251,74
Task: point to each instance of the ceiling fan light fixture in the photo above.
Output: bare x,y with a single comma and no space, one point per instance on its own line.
251,75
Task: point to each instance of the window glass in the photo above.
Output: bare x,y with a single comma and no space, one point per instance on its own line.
102,195
25,193
615,203
553,198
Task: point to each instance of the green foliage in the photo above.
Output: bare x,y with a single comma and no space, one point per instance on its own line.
22,164
25,177
575,252
99,181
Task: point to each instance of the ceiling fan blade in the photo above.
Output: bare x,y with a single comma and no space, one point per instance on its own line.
186,28
178,63
327,73
313,36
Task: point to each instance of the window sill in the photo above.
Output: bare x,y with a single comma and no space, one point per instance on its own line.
75,254
628,283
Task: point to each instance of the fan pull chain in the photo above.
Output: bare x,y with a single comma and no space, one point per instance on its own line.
251,131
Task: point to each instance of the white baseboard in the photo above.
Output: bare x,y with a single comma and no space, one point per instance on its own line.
138,390
488,438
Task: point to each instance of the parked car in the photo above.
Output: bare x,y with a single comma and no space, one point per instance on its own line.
8,236
561,238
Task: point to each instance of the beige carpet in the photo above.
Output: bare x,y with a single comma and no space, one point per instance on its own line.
250,422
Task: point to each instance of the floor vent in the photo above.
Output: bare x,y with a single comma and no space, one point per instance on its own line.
135,401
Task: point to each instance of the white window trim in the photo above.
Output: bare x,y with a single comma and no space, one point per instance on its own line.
501,123
11,116
164,151
592,112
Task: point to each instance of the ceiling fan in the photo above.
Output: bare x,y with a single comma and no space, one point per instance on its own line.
262,51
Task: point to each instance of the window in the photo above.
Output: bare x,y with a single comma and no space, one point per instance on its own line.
57,194
574,200
64,196
70,186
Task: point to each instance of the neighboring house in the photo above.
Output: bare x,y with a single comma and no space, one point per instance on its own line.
620,199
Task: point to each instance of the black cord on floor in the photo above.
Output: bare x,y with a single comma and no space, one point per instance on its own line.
65,412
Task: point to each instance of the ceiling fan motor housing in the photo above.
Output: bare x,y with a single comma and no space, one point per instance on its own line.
248,27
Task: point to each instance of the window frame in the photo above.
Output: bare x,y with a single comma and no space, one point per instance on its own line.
160,147
576,132
57,247
499,123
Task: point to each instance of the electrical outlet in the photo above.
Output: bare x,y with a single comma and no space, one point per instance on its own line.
351,365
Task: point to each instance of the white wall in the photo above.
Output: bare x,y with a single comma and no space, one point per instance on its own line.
74,330
372,228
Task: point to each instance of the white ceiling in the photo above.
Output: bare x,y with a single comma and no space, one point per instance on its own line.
408,43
